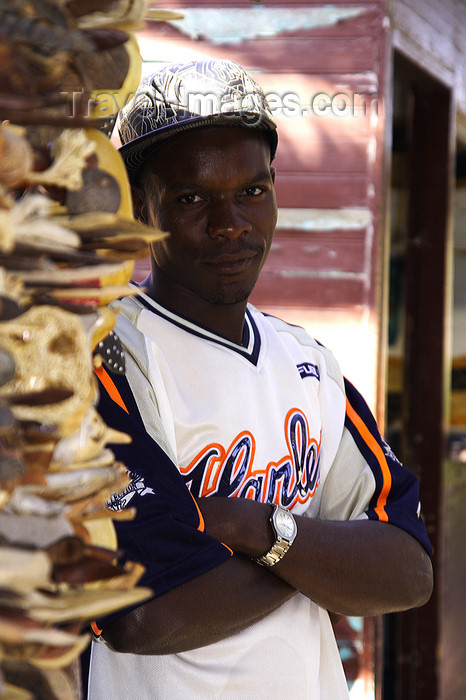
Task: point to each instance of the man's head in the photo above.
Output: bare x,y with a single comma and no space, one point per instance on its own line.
212,190
207,180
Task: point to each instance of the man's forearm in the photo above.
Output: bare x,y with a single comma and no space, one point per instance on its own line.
358,568
211,607
352,568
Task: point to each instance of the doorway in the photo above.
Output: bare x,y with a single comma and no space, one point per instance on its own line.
419,355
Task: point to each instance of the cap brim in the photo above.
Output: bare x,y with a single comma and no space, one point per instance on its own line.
136,152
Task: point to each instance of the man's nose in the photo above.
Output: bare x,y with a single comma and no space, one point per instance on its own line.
227,220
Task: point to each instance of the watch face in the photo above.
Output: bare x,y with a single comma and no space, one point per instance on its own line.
285,524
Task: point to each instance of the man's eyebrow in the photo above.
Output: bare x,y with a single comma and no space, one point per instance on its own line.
175,186
262,175
180,186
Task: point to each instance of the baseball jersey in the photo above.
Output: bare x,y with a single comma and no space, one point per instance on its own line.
273,420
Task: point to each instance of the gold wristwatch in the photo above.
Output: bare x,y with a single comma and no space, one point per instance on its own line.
285,528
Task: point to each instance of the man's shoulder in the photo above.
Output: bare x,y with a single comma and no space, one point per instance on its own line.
129,307
281,326
301,337
126,328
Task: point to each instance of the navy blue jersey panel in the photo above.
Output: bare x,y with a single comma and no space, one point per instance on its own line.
164,536
402,499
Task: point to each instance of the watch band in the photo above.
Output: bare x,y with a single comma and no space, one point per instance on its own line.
283,542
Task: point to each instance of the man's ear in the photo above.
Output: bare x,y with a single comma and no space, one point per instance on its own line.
272,172
139,205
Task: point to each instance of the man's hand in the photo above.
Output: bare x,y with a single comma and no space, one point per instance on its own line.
241,524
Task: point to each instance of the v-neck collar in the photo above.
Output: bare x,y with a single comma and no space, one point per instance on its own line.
249,349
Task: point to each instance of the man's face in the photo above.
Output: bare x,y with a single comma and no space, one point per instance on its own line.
212,190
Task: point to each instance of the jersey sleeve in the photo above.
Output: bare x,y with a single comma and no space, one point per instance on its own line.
366,480
167,535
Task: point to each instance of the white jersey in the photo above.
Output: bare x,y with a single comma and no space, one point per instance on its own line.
268,420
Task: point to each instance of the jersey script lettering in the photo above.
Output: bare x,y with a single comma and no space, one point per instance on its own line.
233,472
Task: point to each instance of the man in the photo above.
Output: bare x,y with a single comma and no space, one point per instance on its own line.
295,506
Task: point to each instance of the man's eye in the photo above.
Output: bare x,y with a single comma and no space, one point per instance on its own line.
190,198
254,191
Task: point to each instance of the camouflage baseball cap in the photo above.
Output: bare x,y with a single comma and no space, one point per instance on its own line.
185,96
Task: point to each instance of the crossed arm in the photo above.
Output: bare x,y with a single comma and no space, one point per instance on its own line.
353,568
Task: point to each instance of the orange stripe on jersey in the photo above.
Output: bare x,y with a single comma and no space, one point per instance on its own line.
110,387
95,629
229,549
201,525
379,455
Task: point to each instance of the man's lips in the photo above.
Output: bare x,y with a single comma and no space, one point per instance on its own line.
231,262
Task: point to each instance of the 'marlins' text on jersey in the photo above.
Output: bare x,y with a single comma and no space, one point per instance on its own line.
232,471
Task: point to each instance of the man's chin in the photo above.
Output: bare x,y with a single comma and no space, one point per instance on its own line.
228,297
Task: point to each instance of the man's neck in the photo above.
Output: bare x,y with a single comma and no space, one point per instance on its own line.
226,320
